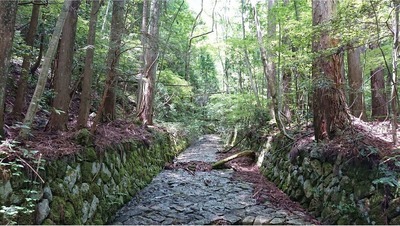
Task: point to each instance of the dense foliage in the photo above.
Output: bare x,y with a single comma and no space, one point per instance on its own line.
214,62
213,70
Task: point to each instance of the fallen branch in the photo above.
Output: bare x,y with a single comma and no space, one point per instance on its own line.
219,164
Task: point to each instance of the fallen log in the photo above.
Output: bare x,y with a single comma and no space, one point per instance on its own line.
219,164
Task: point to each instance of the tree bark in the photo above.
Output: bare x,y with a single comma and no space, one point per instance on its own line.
84,105
269,67
36,65
355,78
143,40
106,15
106,109
287,107
41,83
329,105
378,95
117,31
8,12
395,53
63,73
23,80
145,109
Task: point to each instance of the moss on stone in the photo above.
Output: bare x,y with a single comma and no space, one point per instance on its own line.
376,199
362,189
61,168
105,173
130,166
48,222
327,168
317,167
142,164
111,160
90,154
98,220
346,184
86,171
51,170
134,188
344,220
308,189
95,189
57,207
26,218
70,215
377,215
84,137
58,187
329,215
117,176
77,203
315,206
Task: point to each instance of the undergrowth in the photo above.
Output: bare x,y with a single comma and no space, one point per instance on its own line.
15,164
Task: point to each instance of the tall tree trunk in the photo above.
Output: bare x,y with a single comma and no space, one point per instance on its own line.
378,95
36,65
226,67
8,12
269,66
189,45
287,100
63,73
106,15
84,105
329,105
106,109
145,110
288,72
240,80
395,53
192,37
41,83
355,77
23,80
247,59
117,30
144,28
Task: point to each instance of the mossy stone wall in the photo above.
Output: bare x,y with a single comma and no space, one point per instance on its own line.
334,188
90,186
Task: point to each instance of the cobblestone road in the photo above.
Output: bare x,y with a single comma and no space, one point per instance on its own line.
180,197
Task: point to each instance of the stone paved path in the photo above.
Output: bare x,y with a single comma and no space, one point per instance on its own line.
179,197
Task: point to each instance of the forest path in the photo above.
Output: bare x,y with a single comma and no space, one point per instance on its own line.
181,196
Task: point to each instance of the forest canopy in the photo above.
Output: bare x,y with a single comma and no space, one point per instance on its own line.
209,64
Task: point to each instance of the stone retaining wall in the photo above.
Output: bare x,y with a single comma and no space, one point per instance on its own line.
89,187
336,189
